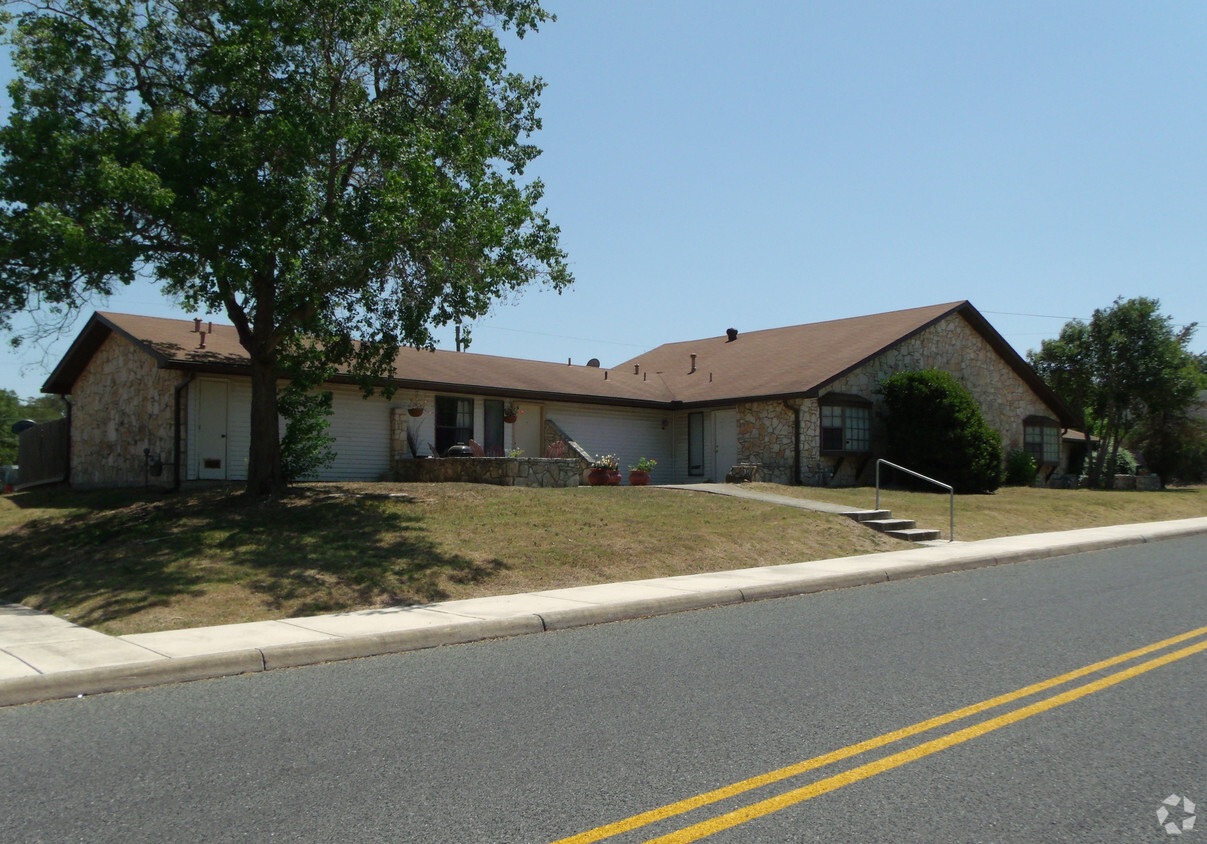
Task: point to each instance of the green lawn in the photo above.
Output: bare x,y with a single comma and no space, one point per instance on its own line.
1017,510
129,561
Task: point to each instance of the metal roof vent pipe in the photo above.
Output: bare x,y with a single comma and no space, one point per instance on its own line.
196,325
693,369
732,334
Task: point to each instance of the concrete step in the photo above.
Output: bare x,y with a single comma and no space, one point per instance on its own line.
865,515
890,524
915,534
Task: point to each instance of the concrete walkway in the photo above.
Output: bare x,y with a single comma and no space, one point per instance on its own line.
738,491
43,657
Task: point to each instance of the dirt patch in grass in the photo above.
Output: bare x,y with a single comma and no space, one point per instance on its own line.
127,562
1013,511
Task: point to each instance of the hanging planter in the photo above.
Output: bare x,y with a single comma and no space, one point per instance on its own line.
415,411
511,413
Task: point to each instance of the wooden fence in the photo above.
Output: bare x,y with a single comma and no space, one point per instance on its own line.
42,453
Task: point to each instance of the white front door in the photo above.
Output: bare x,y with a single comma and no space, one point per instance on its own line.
526,432
211,430
725,442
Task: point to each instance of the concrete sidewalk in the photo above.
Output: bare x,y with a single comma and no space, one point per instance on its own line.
43,657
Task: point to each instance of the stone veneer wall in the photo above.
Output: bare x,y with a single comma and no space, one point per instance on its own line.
121,404
765,436
954,346
552,433
500,471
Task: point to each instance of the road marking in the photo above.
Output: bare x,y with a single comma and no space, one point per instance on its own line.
799,795
672,809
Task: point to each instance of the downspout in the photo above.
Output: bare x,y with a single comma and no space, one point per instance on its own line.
795,441
176,432
70,407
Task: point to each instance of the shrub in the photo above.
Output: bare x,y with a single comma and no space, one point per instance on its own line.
305,447
935,427
1123,464
1020,468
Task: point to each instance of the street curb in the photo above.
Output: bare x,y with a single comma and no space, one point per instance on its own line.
117,678
90,681
379,644
793,588
645,608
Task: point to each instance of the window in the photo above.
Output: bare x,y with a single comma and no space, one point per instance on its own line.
454,422
695,443
846,424
1041,439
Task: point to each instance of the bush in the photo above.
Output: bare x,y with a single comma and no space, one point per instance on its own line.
1020,469
1124,463
305,447
935,427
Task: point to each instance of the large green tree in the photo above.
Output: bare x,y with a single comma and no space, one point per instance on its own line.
341,175
1128,368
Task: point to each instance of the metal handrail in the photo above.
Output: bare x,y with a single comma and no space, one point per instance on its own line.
951,493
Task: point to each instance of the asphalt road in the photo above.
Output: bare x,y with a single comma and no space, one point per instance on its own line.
542,737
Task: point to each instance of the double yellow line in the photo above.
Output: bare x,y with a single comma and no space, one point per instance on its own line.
765,807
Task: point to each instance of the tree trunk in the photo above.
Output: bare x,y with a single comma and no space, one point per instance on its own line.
1108,434
264,475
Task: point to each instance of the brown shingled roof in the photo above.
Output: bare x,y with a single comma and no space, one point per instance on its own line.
781,362
786,362
174,345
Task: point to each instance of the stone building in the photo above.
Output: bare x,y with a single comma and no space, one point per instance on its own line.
165,401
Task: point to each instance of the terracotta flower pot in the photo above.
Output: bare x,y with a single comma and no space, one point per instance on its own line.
597,477
613,477
638,477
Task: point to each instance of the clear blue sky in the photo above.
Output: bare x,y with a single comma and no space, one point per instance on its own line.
763,164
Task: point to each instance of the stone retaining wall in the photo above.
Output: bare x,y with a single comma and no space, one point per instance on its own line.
552,433
500,471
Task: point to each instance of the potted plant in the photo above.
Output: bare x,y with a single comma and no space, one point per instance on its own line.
639,475
603,468
511,412
415,408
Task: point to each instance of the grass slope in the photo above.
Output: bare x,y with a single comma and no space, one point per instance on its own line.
127,562
1012,511
132,561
